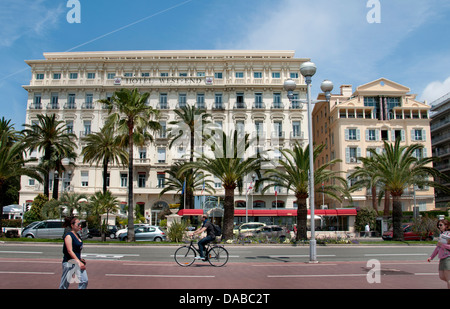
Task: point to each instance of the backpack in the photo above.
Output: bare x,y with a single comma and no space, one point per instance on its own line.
217,230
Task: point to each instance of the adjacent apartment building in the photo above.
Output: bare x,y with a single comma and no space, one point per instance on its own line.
355,121
240,89
440,140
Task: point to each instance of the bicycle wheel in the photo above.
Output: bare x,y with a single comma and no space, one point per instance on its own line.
184,256
217,256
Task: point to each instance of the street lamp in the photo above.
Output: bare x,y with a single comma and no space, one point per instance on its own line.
308,69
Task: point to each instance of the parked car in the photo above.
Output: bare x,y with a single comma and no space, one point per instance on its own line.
111,232
247,227
125,230
269,231
51,229
408,234
146,233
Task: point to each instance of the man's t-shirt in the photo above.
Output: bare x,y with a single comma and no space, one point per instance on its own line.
209,228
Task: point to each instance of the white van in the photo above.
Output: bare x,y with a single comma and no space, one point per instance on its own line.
51,229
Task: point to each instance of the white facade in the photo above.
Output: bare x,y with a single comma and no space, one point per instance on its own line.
238,88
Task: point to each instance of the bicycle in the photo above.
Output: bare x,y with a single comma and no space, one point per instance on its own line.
216,255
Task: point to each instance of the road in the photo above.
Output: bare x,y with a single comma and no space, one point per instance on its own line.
38,266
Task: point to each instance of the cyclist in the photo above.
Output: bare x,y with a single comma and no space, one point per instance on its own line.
208,227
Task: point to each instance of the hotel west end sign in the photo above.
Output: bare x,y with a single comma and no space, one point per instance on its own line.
163,81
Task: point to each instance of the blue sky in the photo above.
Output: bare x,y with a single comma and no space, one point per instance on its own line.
410,45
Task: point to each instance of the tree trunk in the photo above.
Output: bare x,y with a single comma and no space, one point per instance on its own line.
387,196
228,215
374,198
302,218
397,218
130,237
105,174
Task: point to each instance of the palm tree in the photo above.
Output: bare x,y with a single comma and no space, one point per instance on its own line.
398,168
230,165
365,178
190,126
12,166
104,202
73,201
103,147
50,136
294,176
176,181
128,111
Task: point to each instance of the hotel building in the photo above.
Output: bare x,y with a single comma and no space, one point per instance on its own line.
354,122
240,89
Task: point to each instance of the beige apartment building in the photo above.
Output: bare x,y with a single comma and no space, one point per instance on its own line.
355,121
240,89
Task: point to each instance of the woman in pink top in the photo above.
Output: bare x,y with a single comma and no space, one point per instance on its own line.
443,251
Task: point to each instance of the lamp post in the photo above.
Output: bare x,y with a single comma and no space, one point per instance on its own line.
308,69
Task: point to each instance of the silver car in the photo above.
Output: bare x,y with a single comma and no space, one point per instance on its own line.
146,233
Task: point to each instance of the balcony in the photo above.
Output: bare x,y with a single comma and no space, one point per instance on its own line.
259,105
240,105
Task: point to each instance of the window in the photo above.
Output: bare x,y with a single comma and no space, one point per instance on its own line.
182,100
163,101
40,76
56,75
128,74
73,75
352,135
87,127
352,154
123,180
276,75
183,74
71,101
418,135
201,74
258,100
85,178
141,179
164,74
218,75
54,101
31,182
37,101
218,101
296,128
161,178
257,74
111,75
385,135
161,155
293,75
89,100
278,128
145,74
90,75
69,126
162,131
240,100
201,100
277,100
372,135
239,75
142,153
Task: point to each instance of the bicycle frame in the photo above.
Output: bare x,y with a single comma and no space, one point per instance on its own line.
216,255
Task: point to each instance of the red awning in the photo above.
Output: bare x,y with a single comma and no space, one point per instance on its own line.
276,212
190,212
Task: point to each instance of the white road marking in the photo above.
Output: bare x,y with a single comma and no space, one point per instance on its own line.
159,276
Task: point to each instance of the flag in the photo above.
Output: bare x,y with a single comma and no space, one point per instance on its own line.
184,186
276,190
250,187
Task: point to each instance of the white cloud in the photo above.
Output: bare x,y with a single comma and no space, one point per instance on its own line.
435,90
19,18
336,34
